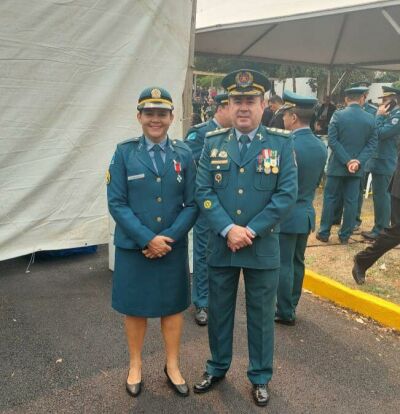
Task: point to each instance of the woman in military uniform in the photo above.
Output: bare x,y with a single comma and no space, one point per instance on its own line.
151,198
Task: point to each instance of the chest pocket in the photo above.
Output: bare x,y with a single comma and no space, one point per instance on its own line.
220,173
264,181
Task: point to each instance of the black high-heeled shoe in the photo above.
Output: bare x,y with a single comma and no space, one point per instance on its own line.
181,389
133,389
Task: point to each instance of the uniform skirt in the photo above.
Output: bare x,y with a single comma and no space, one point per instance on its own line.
150,287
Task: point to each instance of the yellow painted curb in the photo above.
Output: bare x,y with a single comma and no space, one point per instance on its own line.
385,312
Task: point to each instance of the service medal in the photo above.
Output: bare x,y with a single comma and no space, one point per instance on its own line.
267,170
177,167
275,170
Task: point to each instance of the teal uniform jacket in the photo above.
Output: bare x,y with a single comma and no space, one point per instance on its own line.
384,159
144,204
371,109
195,137
311,154
351,135
231,191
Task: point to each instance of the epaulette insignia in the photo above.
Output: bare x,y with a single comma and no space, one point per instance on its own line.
136,139
217,132
278,131
200,125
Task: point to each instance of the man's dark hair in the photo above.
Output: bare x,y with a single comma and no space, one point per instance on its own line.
275,99
303,114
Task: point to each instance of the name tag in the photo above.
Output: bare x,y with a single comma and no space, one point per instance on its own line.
219,161
135,177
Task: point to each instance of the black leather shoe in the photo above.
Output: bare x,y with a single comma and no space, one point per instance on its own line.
322,238
357,229
288,322
369,235
344,241
358,273
260,394
134,389
201,316
181,389
207,383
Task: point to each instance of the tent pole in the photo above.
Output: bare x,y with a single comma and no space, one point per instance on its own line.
187,108
339,81
328,82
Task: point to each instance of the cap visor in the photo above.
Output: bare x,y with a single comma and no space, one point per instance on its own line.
160,105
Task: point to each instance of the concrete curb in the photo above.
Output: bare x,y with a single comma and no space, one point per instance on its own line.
385,312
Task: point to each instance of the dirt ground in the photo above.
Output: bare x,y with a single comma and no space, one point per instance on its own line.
336,261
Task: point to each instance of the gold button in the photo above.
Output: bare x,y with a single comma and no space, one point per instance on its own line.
242,170
238,212
159,199
159,219
158,179
240,191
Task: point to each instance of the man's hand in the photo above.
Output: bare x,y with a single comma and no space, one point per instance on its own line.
383,110
158,247
353,166
239,237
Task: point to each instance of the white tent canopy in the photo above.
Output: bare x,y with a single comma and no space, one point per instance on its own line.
332,33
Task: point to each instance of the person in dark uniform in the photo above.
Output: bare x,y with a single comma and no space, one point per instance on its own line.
311,154
383,162
246,183
267,114
352,137
195,140
275,105
386,240
324,114
371,109
151,198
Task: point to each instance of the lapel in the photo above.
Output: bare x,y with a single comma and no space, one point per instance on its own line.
170,156
255,147
232,146
144,157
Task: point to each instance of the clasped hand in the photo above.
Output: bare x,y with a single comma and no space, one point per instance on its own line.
239,237
353,166
158,247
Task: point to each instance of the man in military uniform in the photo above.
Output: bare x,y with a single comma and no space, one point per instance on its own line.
371,109
246,183
195,140
383,162
311,156
386,240
352,138
275,104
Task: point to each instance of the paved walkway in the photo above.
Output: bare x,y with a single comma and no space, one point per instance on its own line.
62,350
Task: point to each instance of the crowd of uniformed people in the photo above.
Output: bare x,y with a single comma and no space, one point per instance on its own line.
247,190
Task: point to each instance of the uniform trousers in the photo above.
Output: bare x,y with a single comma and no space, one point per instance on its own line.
350,188
291,273
260,288
200,270
387,239
381,198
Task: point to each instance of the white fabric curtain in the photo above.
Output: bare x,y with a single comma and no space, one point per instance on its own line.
70,75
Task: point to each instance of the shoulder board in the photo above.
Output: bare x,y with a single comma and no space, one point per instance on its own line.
130,140
179,143
217,132
277,131
371,105
197,126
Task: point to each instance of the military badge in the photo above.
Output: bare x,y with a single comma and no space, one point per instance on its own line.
214,153
275,170
223,154
108,177
177,167
207,204
244,79
218,178
395,121
156,93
